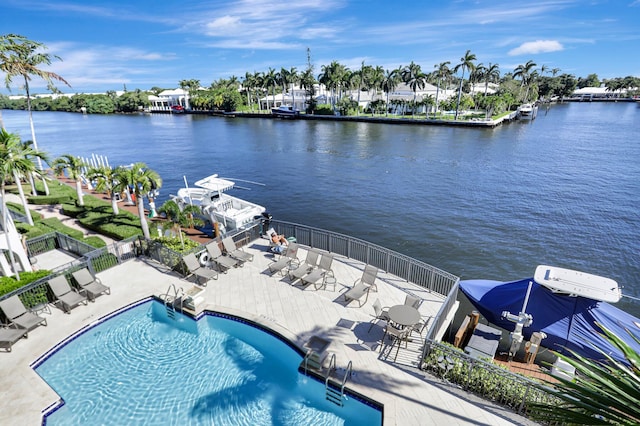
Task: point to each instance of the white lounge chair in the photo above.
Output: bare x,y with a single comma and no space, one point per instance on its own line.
10,335
305,267
67,297
320,272
223,263
198,271
368,277
16,312
357,292
90,283
236,252
288,259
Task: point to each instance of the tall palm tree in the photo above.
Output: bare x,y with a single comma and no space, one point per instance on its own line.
373,83
524,72
20,57
466,63
14,161
271,81
75,168
442,73
491,75
17,161
332,77
142,180
249,83
106,180
413,76
188,86
259,86
389,83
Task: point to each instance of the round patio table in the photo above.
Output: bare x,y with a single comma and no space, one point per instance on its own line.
404,315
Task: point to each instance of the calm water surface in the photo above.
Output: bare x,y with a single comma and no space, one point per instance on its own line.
480,203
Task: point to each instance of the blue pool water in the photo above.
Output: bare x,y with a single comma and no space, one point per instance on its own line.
138,367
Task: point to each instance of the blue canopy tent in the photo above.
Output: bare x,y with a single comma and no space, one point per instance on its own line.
569,322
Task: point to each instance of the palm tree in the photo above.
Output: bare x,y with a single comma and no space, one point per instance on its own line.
373,83
248,84
602,392
142,180
14,161
180,218
389,83
270,82
525,74
491,75
22,57
188,86
332,77
105,178
74,167
466,63
442,73
413,76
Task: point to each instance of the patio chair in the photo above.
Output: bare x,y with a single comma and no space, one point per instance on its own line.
287,259
304,268
320,272
357,292
15,312
10,335
368,277
397,335
382,313
421,326
222,262
67,297
200,272
90,283
412,301
236,252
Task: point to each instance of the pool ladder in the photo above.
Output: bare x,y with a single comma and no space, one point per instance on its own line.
334,395
170,300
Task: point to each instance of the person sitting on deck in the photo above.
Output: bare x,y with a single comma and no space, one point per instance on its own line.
278,242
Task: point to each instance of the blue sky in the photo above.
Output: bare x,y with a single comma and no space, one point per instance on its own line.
105,45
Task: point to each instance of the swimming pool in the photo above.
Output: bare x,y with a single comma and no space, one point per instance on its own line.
139,367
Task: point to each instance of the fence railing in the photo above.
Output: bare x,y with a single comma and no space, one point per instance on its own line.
38,293
412,270
56,240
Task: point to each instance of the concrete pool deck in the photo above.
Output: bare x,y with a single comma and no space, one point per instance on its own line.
409,396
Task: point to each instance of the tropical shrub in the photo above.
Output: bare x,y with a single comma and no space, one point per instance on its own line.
9,284
175,244
602,392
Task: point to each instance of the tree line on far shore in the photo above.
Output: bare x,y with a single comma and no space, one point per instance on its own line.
526,83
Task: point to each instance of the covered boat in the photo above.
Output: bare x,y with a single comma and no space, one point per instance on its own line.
569,321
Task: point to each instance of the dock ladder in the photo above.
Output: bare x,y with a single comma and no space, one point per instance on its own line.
334,395
171,299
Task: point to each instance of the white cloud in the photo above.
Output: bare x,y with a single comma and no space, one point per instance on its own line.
538,46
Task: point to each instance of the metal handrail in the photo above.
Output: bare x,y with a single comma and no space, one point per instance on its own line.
347,374
332,366
412,270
